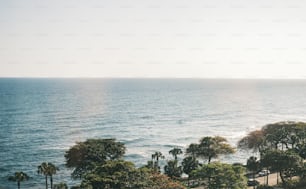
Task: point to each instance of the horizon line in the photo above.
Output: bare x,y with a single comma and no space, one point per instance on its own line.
212,78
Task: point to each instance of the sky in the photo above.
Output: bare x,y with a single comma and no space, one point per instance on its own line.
153,38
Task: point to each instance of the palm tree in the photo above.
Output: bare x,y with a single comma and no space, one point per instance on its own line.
43,169
47,169
156,156
51,172
19,177
175,151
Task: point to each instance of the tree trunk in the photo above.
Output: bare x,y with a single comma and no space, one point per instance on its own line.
18,183
282,177
209,159
254,187
46,181
51,181
188,181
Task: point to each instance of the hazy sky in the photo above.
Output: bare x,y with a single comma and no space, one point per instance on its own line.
156,38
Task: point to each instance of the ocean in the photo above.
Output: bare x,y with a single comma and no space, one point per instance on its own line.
41,118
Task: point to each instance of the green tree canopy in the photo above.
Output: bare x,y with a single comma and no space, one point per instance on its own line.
172,170
160,181
212,147
281,135
192,150
189,164
120,174
253,165
254,140
221,176
84,156
113,174
175,151
283,162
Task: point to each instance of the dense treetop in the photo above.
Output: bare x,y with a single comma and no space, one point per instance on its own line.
84,156
280,135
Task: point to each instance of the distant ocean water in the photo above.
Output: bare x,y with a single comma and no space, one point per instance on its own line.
41,118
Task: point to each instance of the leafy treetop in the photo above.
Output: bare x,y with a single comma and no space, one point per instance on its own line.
84,156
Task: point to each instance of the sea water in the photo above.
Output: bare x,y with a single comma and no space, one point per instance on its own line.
41,118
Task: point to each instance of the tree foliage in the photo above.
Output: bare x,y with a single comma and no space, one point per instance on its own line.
285,162
221,176
192,150
172,169
159,181
253,165
282,147
212,147
47,169
254,140
281,135
189,164
119,174
113,174
155,161
175,152
85,156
